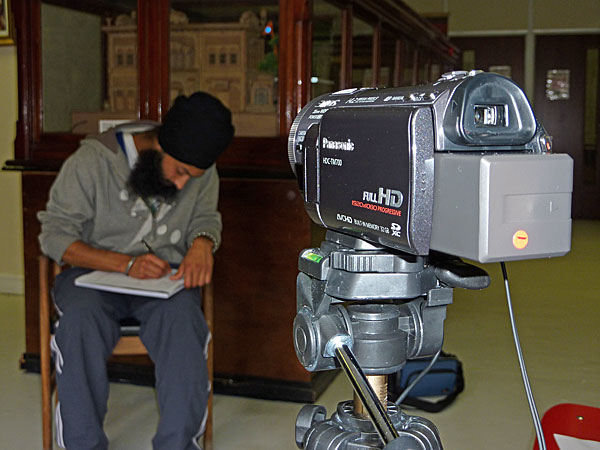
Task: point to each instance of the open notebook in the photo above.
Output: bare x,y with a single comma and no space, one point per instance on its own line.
121,283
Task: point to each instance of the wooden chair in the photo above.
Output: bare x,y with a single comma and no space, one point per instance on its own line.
127,345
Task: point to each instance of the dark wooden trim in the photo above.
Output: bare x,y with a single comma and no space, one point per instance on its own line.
376,54
286,115
399,63
153,58
27,24
302,53
415,67
95,7
251,155
295,62
269,389
306,53
427,68
346,60
28,165
402,21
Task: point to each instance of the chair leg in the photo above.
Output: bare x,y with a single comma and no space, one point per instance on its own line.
45,358
46,406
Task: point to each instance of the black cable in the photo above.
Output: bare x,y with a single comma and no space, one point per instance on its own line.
424,372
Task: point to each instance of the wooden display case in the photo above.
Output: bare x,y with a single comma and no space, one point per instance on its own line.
265,225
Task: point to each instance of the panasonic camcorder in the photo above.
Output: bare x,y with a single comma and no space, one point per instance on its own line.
460,166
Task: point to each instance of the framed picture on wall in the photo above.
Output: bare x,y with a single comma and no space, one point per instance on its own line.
6,24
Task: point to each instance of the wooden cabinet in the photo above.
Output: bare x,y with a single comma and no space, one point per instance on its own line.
264,229
265,225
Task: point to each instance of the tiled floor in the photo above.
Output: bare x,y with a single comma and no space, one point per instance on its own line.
557,307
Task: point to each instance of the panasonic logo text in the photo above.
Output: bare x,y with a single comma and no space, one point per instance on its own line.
338,145
387,197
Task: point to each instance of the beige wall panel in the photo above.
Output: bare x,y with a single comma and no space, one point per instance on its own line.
560,14
11,236
426,6
469,15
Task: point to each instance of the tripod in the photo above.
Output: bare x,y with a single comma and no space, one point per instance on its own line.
367,310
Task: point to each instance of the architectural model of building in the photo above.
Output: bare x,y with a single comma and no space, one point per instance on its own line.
220,58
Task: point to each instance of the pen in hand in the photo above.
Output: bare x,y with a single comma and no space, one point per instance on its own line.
156,262
148,247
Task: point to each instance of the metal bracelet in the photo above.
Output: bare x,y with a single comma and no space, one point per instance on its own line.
209,236
130,265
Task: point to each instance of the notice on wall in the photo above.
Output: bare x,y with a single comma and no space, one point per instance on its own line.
557,84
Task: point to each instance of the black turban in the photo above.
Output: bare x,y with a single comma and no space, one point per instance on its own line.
196,130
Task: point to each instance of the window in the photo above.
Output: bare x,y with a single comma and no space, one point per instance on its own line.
78,81
228,55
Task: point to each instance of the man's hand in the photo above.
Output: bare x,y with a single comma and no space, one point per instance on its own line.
197,266
81,254
149,266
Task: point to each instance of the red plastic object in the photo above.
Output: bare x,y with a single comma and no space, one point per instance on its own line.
569,419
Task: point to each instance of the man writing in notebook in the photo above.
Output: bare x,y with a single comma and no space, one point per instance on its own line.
137,200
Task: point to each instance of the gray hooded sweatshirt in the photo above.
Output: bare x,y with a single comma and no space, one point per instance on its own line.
90,201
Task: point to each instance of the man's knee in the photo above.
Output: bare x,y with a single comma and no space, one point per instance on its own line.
188,301
86,318
182,307
67,296
85,309
176,323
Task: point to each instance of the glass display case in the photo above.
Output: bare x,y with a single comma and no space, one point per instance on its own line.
87,64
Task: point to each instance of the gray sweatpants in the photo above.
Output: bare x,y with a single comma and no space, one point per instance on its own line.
174,332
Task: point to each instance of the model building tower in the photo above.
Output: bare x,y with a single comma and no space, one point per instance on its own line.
220,58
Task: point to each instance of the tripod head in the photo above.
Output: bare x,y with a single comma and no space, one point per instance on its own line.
386,306
369,309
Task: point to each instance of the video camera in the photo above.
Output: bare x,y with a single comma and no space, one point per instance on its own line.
461,166
408,181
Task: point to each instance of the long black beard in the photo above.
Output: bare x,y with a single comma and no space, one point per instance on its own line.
147,178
